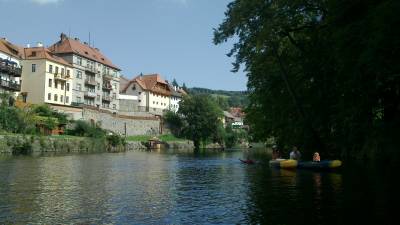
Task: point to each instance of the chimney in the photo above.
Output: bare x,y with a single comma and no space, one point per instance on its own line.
63,37
39,44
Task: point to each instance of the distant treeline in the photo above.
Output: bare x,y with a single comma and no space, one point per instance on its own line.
225,98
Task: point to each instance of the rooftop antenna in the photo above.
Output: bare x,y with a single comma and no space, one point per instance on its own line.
69,32
89,38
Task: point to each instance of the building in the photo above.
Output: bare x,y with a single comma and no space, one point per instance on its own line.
46,77
96,78
10,67
152,91
176,96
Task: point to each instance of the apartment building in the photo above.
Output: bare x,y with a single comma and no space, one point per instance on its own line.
10,67
96,78
46,78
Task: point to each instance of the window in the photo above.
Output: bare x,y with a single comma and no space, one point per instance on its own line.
115,86
62,86
66,99
55,84
56,70
62,71
50,68
140,100
98,97
79,87
49,96
79,74
140,93
154,102
50,82
33,68
98,86
79,61
134,88
67,86
114,96
78,99
61,98
68,73
114,106
55,97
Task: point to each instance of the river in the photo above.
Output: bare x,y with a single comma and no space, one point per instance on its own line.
186,188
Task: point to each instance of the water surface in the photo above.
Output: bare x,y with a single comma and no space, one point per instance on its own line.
184,188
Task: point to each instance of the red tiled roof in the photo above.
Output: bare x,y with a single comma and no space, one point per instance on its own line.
151,82
43,53
10,49
69,45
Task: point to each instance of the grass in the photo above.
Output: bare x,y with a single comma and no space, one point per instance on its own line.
164,137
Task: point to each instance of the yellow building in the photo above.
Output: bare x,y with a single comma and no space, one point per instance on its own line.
46,78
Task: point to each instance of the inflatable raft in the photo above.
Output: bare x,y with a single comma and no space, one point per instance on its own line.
324,164
283,163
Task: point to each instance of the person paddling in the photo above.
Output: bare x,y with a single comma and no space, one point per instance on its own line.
316,157
295,154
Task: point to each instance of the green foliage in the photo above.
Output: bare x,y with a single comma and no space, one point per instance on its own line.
85,129
225,99
322,74
116,140
46,111
201,118
174,122
175,83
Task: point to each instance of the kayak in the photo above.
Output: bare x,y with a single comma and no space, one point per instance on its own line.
247,161
324,164
283,163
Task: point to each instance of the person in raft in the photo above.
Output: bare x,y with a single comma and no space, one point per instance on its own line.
295,154
275,153
316,157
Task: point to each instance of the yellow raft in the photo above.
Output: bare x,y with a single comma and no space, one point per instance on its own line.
284,163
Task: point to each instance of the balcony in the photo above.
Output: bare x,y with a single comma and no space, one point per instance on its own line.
10,69
10,85
107,77
107,87
90,82
107,98
58,76
90,70
88,94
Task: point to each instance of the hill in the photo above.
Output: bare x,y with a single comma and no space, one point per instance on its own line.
228,98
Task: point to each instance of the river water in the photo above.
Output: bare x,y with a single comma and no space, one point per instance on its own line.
185,188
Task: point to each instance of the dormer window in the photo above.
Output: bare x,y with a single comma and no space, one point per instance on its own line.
33,53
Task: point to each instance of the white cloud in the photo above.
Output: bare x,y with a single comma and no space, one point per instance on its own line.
44,2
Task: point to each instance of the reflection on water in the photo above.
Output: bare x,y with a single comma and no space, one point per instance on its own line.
171,188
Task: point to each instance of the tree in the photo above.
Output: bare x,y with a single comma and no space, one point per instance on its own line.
185,88
201,116
322,74
175,83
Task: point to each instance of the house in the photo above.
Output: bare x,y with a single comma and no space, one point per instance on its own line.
176,96
152,91
46,77
95,78
10,67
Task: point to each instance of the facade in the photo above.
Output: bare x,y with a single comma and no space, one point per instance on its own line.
10,67
176,97
96,78
46,77
152,91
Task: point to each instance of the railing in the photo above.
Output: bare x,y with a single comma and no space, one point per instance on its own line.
107,98
107,87
10,85
90,69
90,82
89,94
10,69
58,76
107,77
79,104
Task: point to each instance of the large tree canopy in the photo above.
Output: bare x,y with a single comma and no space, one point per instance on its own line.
323,74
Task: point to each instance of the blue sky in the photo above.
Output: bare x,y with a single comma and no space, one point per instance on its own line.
170,37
